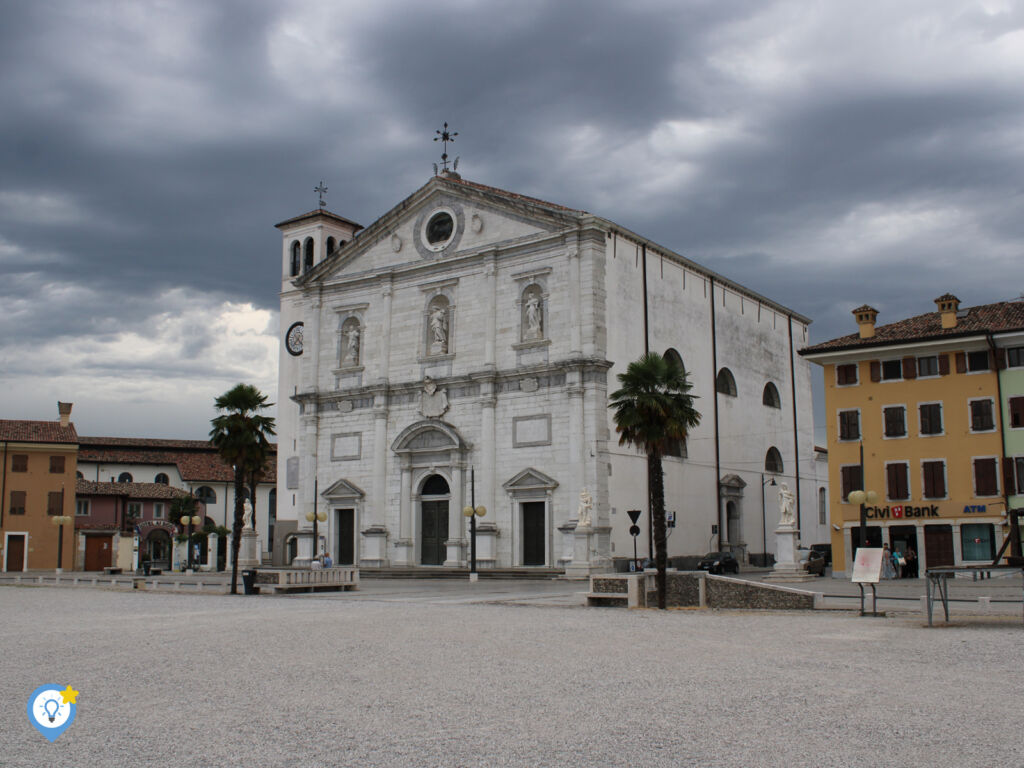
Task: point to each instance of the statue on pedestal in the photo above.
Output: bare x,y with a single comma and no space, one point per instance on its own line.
584,509
247,516
786,500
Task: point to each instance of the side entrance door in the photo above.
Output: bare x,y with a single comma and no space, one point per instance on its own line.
938,545
435,532
15,553
533,533
346,553
99,551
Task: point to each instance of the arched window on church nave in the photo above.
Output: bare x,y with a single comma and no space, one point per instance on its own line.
675,448
350,343
532,321
296,257
307,249
771,396
439,326
773,461
206,495
162,478
331,245
725,383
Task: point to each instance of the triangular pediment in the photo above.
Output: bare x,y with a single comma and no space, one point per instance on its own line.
343,489
530,480
733,481
484,218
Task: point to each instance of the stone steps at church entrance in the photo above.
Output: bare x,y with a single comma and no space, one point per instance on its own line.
522,574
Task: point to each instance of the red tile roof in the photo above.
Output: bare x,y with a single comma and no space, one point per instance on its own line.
131,490
197,460
987,318
319,212
37,432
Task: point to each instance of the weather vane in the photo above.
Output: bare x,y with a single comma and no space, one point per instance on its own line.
321,191
445,136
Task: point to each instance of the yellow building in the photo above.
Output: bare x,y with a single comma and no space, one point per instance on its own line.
915,406
37,485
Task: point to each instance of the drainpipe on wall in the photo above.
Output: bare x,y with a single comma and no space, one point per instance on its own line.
3,487
796,433
714,388
1002,432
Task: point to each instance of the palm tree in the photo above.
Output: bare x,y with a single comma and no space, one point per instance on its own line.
654,409
240,435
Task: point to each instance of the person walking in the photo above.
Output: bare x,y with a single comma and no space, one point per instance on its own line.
888,566
327,560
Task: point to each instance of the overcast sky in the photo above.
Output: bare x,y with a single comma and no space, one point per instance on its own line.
822,153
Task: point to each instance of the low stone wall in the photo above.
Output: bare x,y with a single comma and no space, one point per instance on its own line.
697,589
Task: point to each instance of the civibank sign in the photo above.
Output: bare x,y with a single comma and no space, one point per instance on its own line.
901,511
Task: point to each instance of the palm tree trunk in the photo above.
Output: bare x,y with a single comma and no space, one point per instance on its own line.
236,528
656,484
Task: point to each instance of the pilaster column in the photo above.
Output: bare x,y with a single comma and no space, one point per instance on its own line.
405,510
958,549
385,331
380,435
490,301
487,481
576,313
576,439
312,343
455,517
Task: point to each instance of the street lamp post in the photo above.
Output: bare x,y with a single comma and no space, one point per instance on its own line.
316,516
862,498
60,521
764,519
473,512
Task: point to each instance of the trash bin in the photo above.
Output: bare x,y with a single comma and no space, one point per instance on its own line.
249,583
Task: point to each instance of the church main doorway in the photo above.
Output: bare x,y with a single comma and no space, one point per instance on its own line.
434,520
345,553
533,533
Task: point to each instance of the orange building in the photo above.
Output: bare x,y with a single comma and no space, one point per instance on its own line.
913,414
37,484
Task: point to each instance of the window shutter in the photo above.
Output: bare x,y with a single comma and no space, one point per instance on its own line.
1000,358
876,370
1008,481
944,365
1017,412
961,362
909,368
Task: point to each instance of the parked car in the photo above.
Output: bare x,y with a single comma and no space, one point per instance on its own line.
812,561
718,562
825,549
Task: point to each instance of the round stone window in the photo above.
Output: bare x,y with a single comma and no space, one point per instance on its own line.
439,230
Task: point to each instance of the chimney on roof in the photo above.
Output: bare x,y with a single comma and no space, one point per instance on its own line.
866,321
948,305
64,409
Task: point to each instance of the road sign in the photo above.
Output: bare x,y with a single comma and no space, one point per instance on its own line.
634,530
634,515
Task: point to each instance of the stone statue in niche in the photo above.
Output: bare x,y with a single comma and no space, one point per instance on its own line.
438,330
433,401
786,502
584,509
534,317
351,351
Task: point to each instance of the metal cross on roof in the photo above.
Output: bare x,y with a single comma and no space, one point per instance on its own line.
321,191
445,136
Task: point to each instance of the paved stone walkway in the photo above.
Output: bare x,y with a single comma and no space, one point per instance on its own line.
418,676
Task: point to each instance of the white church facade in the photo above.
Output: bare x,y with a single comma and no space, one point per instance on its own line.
461,349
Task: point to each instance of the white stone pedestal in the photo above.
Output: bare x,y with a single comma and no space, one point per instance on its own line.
568,543
787,565
211,553
249,551
580,567
486,545
375,547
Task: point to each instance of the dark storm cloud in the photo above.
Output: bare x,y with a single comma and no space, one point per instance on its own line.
824,156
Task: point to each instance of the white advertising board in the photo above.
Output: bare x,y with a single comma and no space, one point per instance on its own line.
867,566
